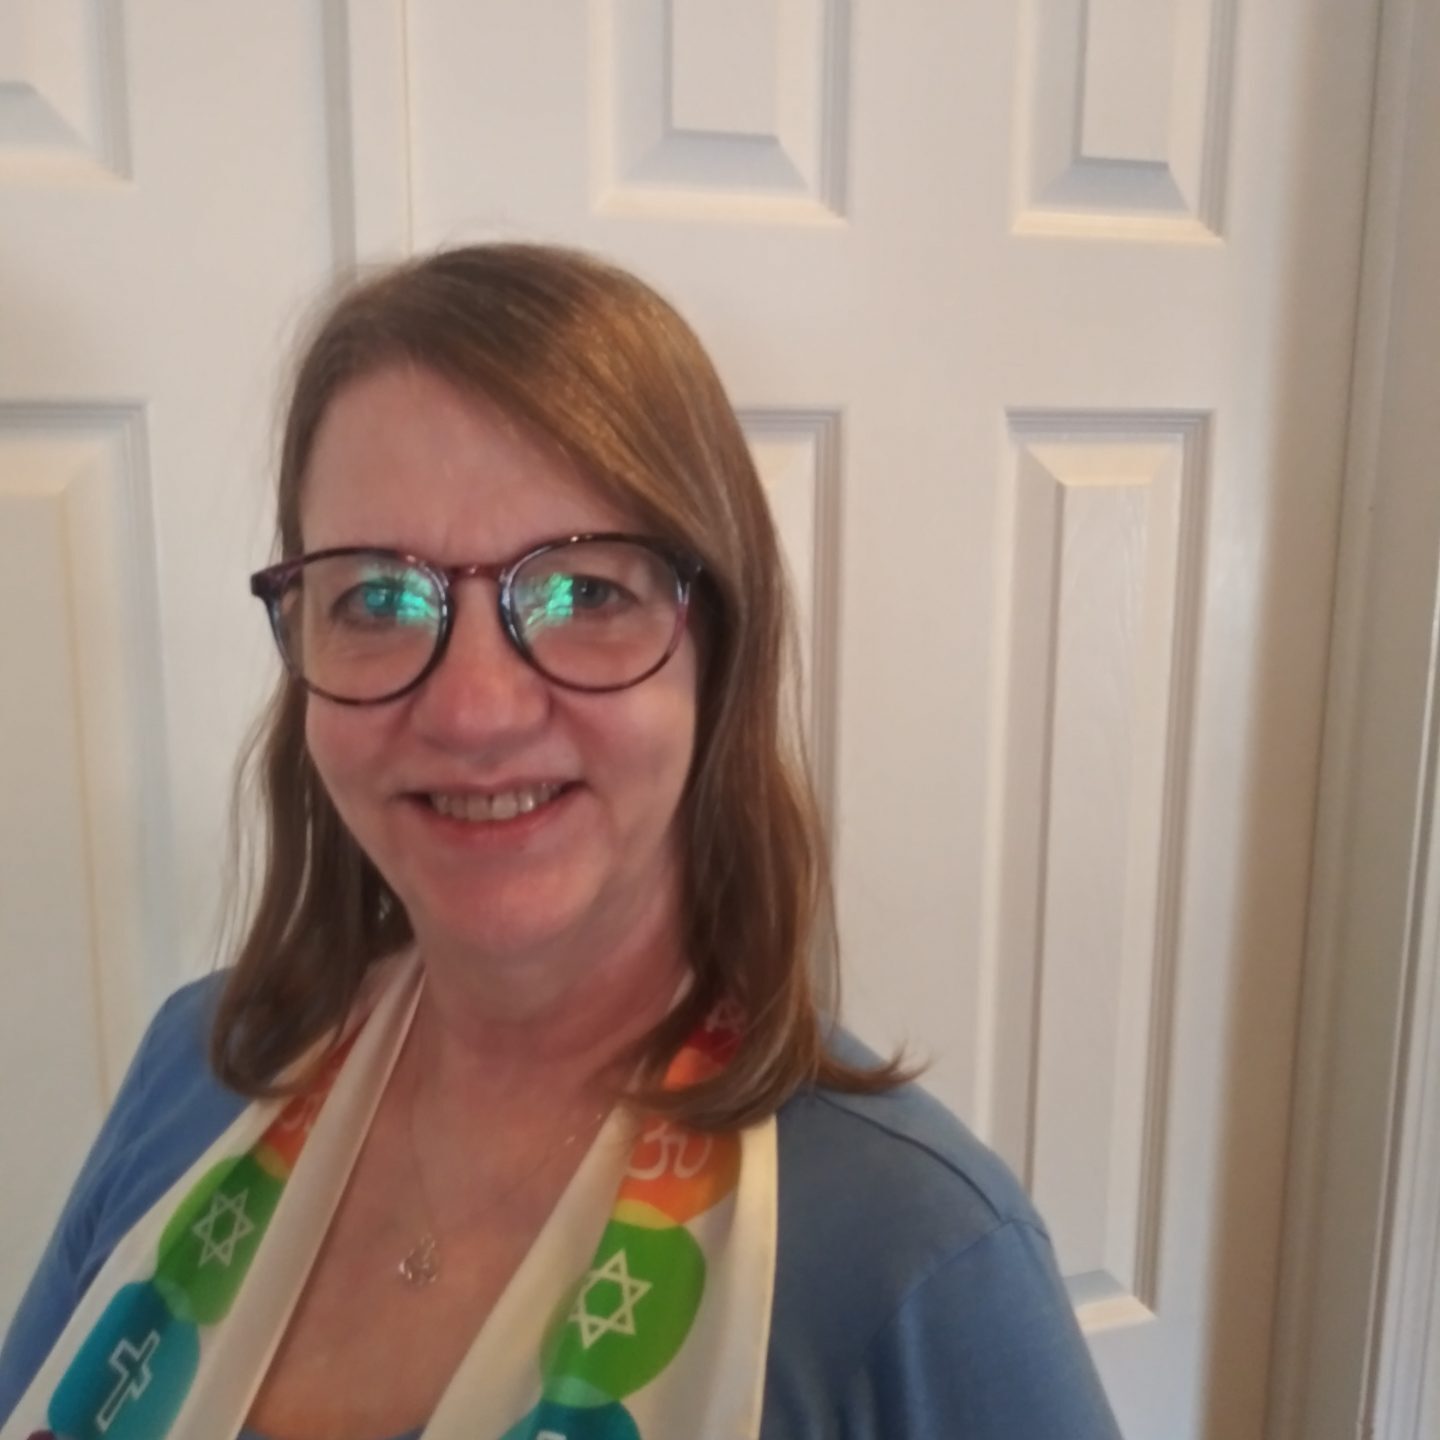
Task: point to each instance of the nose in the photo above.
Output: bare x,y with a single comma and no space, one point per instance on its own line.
482,695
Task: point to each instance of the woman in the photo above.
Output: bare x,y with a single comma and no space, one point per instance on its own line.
522,1033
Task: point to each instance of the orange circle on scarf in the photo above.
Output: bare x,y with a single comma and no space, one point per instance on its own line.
676,1174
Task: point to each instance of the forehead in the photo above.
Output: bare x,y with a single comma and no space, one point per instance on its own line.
404,459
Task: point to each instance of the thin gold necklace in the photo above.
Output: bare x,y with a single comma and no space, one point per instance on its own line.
420,1265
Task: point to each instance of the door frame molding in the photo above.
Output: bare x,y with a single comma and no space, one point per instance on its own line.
371,186
1402,1385
1361,1249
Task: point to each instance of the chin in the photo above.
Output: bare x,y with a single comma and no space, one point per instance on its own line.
505,924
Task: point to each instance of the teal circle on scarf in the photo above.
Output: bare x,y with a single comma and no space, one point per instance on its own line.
131,1375
549,1417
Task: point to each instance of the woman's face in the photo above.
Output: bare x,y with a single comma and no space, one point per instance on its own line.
404,461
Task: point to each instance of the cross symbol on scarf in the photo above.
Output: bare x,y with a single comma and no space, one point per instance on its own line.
133,1368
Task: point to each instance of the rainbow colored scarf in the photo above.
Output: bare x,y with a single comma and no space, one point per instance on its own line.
658,1329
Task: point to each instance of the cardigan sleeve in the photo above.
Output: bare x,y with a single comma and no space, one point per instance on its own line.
985,1346
66,1265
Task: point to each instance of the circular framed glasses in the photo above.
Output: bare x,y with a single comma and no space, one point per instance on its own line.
361,625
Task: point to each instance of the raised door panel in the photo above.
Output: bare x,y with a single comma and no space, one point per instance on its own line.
160,232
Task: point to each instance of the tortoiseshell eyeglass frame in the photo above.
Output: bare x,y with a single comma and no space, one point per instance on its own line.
270,586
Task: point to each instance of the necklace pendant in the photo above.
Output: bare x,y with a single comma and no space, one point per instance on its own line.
420,1266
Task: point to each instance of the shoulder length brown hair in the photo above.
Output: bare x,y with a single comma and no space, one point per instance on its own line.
591,357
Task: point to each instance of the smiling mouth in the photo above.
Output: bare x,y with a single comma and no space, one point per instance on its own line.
487,809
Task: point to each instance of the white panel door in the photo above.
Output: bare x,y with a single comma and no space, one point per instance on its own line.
163,212
1038,317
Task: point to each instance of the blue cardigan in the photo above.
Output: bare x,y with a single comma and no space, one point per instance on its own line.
916,1293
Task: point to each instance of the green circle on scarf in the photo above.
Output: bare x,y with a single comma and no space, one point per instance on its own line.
206,1249
627,1318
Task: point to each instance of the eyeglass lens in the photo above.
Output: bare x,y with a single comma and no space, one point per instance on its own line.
596,614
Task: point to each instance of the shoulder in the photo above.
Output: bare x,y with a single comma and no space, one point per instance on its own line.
171,1095
898,1154
179,1033
876,1192
916,1286
168,1109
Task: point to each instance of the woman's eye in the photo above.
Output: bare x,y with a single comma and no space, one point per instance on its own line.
383,602
557,599
590,592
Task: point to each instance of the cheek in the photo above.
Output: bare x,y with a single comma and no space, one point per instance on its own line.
320,740
688,702
662,747
639,752
340,746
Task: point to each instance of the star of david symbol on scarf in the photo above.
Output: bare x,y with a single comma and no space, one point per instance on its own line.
621,1320
241,1225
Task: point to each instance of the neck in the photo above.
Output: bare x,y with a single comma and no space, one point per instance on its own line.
552,1020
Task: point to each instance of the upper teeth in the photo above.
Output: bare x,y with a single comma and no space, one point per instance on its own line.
505,806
